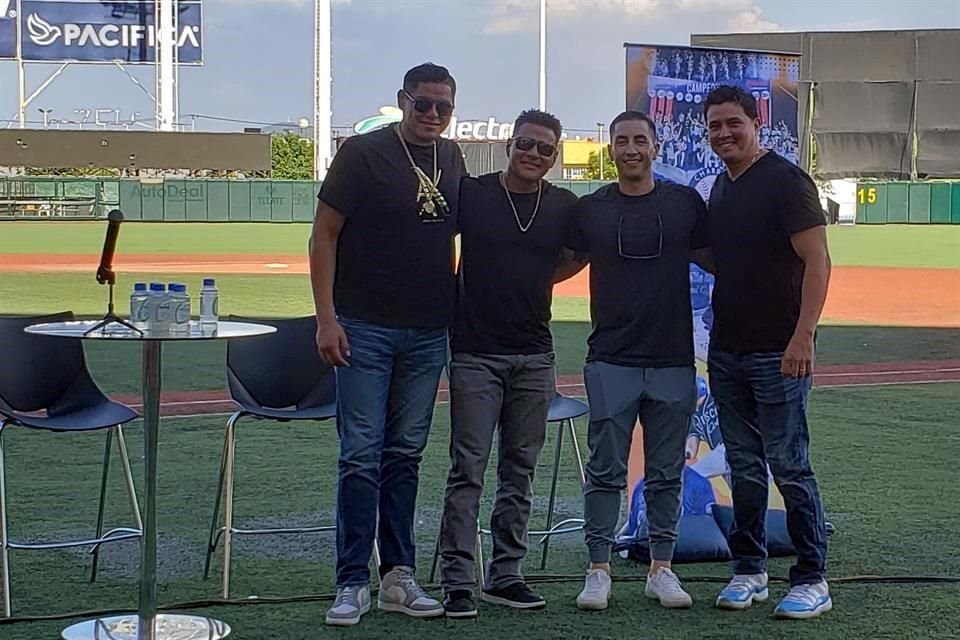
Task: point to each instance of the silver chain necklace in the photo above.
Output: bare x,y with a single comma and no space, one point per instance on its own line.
755,157
536,208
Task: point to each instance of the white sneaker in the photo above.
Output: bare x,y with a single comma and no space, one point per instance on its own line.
743,591
350,604
805,601
664,586
400,593
596,591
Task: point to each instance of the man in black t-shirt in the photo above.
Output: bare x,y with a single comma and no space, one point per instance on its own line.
381,264
639,235
768,237
513,225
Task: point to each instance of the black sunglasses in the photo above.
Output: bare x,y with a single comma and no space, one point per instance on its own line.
545,149
636,240
424,105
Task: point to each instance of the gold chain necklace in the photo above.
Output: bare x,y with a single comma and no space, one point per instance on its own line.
431,201
756,157
536,208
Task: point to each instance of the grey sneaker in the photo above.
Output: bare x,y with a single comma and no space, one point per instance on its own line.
665,586
400,593
350,604
596,591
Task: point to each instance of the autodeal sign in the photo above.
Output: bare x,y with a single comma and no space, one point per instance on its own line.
87,31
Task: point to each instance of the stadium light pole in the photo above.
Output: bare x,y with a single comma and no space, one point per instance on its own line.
543,55
322,84
165,25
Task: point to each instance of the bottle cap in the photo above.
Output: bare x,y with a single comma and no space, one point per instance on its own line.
209,282
157,286
140,286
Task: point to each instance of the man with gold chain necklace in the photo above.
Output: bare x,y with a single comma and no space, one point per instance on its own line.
512,230
381,266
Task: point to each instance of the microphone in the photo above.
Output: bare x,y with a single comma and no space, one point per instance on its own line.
105,270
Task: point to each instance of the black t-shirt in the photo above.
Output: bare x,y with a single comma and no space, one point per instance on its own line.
756,296
639,249
394,266
505,277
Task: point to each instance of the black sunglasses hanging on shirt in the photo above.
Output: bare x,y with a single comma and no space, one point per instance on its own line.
639,237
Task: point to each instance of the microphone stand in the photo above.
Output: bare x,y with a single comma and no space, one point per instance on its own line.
106,276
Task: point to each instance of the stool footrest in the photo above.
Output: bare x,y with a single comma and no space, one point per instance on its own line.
116,535
281,530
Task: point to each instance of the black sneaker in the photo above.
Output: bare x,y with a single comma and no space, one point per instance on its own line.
459,604
516,595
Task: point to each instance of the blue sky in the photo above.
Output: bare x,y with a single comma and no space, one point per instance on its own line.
259,54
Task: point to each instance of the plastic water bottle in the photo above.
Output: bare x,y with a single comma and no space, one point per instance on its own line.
160,309
180,300
209,305
139,307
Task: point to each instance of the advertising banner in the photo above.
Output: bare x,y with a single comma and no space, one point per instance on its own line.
87,31
671,84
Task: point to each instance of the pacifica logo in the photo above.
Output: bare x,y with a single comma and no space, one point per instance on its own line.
44,34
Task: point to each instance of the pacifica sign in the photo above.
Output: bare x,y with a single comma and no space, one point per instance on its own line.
479,130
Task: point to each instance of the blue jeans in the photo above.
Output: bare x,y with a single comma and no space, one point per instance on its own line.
763,421
385,401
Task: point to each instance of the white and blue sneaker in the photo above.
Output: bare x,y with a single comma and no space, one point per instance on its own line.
805,601
743,591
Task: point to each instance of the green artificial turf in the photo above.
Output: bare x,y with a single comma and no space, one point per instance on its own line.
886,460
863,245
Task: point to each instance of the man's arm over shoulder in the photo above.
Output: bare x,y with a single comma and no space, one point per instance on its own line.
573,256
700,253
467,194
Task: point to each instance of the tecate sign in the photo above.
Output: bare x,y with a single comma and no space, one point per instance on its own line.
104,31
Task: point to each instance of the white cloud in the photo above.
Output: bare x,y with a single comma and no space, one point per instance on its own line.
521,16
751,21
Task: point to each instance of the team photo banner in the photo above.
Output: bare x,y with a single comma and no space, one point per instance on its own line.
671,83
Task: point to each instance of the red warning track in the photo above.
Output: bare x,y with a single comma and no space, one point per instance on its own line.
867,375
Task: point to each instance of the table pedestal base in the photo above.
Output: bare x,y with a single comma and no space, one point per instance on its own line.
168,627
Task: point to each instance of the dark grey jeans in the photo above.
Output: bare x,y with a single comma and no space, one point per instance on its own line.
487,392
663,399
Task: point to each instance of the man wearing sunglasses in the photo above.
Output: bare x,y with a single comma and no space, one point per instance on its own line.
639,235
381,264
512,230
